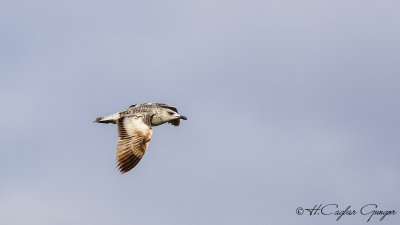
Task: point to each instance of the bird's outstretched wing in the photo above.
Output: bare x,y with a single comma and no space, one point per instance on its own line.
173,108
134,135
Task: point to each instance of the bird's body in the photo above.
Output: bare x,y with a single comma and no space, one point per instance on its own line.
135,129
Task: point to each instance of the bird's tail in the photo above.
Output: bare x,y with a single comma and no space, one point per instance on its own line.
107,119
97,120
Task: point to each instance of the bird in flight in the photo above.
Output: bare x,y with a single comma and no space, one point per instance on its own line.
135,129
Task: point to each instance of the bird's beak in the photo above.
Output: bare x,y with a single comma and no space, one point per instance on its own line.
183,117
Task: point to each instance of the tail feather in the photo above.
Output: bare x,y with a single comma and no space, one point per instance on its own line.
96,120
107,119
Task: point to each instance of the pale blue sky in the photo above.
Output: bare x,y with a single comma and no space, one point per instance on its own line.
289,104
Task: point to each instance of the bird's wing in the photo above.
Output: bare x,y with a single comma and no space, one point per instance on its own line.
175,122
173,108
134,135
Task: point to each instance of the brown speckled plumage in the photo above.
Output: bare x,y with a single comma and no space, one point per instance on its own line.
135,130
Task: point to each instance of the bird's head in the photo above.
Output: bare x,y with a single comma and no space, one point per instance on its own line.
167,115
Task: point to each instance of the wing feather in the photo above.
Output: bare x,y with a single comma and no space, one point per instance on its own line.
134,136
163,105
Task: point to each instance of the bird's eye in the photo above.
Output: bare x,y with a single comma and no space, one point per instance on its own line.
171,113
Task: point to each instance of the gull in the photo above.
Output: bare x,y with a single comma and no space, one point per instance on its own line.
135,129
